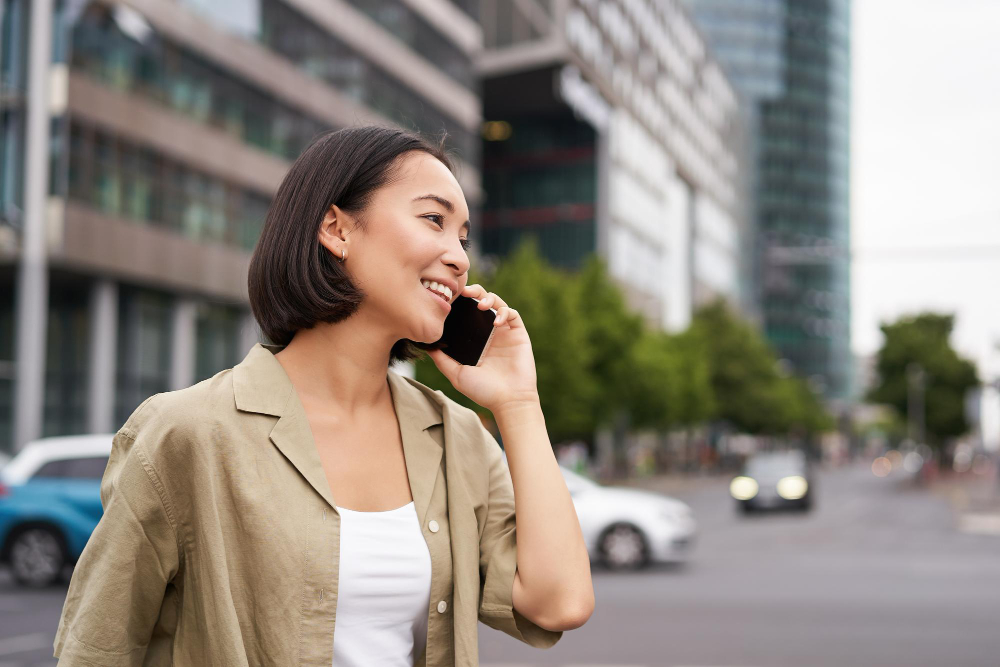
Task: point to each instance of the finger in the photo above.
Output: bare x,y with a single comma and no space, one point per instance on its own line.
497,301
474,290
448,366
491,300
514,319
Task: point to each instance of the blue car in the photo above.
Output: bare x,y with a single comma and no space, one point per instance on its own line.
50,503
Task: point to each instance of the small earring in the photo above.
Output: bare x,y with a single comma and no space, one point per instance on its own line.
343,255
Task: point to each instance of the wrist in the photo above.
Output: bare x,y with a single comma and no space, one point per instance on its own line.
513,409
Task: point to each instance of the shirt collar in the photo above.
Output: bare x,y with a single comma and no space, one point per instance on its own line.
260,384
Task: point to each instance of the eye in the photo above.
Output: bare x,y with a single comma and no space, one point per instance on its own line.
466,243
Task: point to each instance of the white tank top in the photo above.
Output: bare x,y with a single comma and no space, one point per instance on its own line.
385,589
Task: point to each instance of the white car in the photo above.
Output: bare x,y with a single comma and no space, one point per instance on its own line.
90,451
630,528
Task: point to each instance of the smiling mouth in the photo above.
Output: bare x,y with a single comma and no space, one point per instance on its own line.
440,299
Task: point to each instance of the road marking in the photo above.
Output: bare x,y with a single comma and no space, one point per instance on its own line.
22,643
980,524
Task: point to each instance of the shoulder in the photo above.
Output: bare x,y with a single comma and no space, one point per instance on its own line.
170,420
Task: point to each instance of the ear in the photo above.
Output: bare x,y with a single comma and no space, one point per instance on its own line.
333,229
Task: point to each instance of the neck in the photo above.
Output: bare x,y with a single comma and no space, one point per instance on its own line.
341,365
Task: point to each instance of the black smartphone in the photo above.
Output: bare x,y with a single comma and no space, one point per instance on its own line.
467,331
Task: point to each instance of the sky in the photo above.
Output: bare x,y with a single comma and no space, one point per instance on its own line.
925,171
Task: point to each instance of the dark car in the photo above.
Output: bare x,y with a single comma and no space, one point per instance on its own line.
773,480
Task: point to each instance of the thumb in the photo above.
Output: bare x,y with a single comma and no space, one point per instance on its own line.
448,366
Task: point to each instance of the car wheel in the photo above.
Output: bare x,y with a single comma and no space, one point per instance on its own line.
746,508
623,547
37,557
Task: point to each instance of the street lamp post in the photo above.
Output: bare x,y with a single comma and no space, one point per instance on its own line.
916,380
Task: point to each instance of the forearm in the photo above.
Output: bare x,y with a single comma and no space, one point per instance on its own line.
552,562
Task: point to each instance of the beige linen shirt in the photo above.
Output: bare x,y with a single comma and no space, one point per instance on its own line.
220,537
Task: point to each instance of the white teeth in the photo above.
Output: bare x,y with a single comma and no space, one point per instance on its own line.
443,290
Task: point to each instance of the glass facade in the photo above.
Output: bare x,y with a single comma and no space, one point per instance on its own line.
408,27
13,89
174,77
68,342
470,7
323,56
791,60
125,180
144,334
7,386
542,181
216,340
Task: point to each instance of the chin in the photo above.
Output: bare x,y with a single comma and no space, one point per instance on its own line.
430,335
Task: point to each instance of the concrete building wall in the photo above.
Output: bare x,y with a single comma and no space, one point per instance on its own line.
170,123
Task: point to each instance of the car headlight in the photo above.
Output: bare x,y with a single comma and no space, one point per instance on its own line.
743,488
792,488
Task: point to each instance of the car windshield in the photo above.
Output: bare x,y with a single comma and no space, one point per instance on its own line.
775,464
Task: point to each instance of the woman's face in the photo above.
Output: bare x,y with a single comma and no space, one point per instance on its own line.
417,227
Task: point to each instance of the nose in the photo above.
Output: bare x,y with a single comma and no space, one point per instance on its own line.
456,257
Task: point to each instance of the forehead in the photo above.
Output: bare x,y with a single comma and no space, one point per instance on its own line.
420,173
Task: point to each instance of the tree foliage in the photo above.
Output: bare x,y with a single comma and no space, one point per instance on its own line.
751,392
597,361
923,341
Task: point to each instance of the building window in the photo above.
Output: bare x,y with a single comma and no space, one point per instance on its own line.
128,181
174,77
145,332
218,330
68,351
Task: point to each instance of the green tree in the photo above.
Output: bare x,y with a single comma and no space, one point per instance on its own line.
653,391
750,392
696,402
611,332
922,341
669,383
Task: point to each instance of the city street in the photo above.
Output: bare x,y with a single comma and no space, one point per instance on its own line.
877,575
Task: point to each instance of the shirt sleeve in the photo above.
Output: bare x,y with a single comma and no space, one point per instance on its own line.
498,557
118,585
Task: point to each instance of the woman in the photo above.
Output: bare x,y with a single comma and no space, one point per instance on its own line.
311,507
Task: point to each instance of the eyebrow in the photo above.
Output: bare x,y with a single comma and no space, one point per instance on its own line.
448,206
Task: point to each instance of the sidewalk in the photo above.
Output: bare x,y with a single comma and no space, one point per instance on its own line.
975,499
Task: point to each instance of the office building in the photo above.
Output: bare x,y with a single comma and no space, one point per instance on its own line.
790,61
140,143
611,129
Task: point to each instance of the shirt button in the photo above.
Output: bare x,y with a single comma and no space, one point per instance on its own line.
442,605
433,525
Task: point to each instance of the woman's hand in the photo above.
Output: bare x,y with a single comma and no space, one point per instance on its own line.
506,374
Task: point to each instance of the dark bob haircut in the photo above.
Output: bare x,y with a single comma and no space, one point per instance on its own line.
295,282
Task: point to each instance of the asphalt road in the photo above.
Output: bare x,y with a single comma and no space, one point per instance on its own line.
876,575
